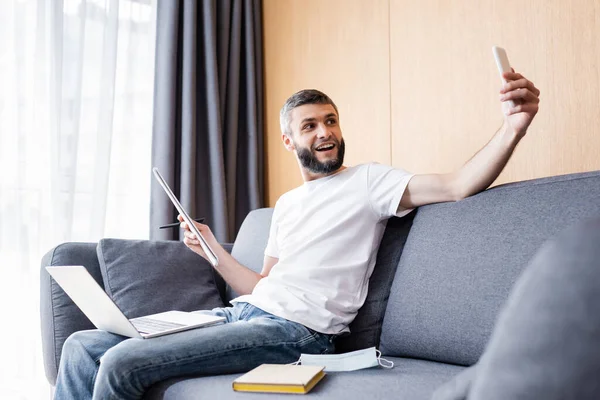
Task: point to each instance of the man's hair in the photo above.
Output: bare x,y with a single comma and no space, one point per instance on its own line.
306,96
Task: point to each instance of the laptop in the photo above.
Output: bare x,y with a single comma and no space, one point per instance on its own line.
81,287
212,257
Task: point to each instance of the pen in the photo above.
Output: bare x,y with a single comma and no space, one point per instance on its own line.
175,224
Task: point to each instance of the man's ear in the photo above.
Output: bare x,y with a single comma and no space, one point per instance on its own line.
287,142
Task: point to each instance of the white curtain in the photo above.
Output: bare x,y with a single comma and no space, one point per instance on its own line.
76,89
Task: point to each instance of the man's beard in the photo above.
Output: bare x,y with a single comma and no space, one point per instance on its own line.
309,160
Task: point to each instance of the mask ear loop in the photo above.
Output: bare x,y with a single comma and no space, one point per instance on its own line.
381,360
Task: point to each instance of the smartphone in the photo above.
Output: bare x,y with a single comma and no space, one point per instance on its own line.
502,64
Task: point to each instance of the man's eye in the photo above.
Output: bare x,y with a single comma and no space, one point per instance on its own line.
331,121
308,126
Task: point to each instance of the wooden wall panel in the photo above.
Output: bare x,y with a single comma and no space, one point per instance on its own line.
342,48
444,82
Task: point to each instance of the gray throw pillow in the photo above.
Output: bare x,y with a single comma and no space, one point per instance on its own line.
546,342
145,277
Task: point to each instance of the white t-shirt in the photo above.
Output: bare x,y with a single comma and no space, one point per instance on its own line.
326,234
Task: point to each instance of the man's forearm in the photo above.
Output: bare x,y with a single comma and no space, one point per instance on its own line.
242,279
485,166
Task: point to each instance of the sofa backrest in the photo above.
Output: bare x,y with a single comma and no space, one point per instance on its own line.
461,259
251,241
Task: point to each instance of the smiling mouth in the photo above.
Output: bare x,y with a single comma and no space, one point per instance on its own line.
325,147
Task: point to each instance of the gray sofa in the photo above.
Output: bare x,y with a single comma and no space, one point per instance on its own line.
442,275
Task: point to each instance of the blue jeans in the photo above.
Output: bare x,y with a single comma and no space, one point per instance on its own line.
100,365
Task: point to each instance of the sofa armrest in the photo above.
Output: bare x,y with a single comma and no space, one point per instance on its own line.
60,317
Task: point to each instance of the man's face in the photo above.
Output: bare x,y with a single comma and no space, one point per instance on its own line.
317,138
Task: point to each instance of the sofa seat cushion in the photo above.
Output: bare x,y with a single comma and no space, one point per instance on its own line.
409,380
145,277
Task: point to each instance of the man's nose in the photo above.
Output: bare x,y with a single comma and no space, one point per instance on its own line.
322,131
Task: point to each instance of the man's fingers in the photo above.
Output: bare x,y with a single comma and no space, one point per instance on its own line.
512,76
521,93
194,245
533,89
516,84
184,225
191,241
520,82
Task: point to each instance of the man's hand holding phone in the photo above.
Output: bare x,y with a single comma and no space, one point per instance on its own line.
519,96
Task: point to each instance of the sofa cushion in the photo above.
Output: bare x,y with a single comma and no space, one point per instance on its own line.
408,380
461,260
145,277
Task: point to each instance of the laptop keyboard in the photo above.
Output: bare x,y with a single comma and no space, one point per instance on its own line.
149,325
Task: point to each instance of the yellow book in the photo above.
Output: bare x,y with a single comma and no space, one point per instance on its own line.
280,378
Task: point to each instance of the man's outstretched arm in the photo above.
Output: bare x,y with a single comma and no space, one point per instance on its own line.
485,166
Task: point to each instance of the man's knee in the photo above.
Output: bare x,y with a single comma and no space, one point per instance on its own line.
77,341
121,369
123,356
111,362
90,343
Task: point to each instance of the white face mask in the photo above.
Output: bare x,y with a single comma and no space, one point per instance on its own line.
352,361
